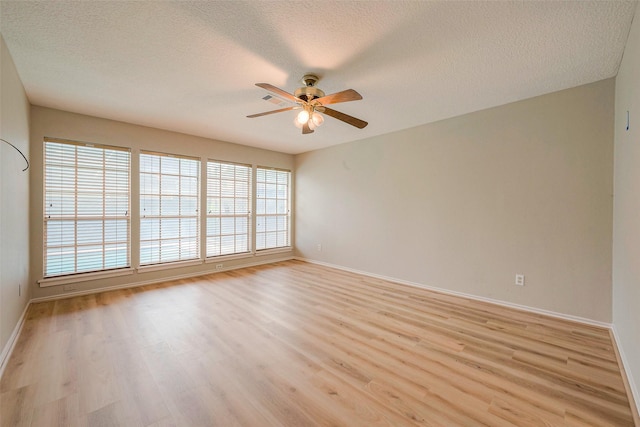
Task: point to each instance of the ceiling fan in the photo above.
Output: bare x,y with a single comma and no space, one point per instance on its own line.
312,101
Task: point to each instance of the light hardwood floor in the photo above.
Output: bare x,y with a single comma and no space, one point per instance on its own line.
296,344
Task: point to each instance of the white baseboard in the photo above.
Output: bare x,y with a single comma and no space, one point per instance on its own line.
13,339
465,295
626,370
158,280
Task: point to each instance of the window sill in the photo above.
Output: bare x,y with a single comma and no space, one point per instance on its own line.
168,265
83,277
274,251
221,258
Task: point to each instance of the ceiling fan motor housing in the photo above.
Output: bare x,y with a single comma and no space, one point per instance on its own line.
309,92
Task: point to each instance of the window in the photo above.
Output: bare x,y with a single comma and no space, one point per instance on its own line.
169,202
86,207
272,208
228,208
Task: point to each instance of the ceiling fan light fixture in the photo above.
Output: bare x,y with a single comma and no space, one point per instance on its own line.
317,119
302,117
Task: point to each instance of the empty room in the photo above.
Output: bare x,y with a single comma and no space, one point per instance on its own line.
319,213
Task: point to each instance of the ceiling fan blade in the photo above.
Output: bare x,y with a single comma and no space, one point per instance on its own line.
360,124
306,129
271,112
344,96
282,93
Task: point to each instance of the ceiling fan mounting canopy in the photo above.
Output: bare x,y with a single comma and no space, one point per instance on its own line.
313,101
309,79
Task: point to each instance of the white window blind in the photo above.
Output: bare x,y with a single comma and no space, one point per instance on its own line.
86,207
228,208
169,201
272,208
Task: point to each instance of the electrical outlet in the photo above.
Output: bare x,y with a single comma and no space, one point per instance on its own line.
319,247
219,266
520,279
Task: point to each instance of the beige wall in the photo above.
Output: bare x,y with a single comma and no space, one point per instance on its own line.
466,203
65,125
626,219
14,199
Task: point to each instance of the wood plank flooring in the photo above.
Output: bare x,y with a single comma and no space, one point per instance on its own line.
296,344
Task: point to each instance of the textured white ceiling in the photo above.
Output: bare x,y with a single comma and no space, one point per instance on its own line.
191,66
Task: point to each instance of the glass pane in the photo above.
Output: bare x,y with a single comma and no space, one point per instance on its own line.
89,232
213,226
242,225
149,163
60,261
169,184
189,167
242,206
116,231
169,228
281,191
116,256
260,241
227,188
260,190
189,186
170,250
149,229
281,207
261,207
227,245
59,233
189,248
282,222
270,175
189,227
270,223
213,246
213,207
271,206
242,243
189,206
149,184
282,239
149,205
89,204
283,177
90,258
271,240
227,206
116,204
213,187
227,225
170,165
270,191
169,205
149,252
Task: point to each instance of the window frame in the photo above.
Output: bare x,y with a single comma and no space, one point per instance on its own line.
259,216
237,197
85,190
143,197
